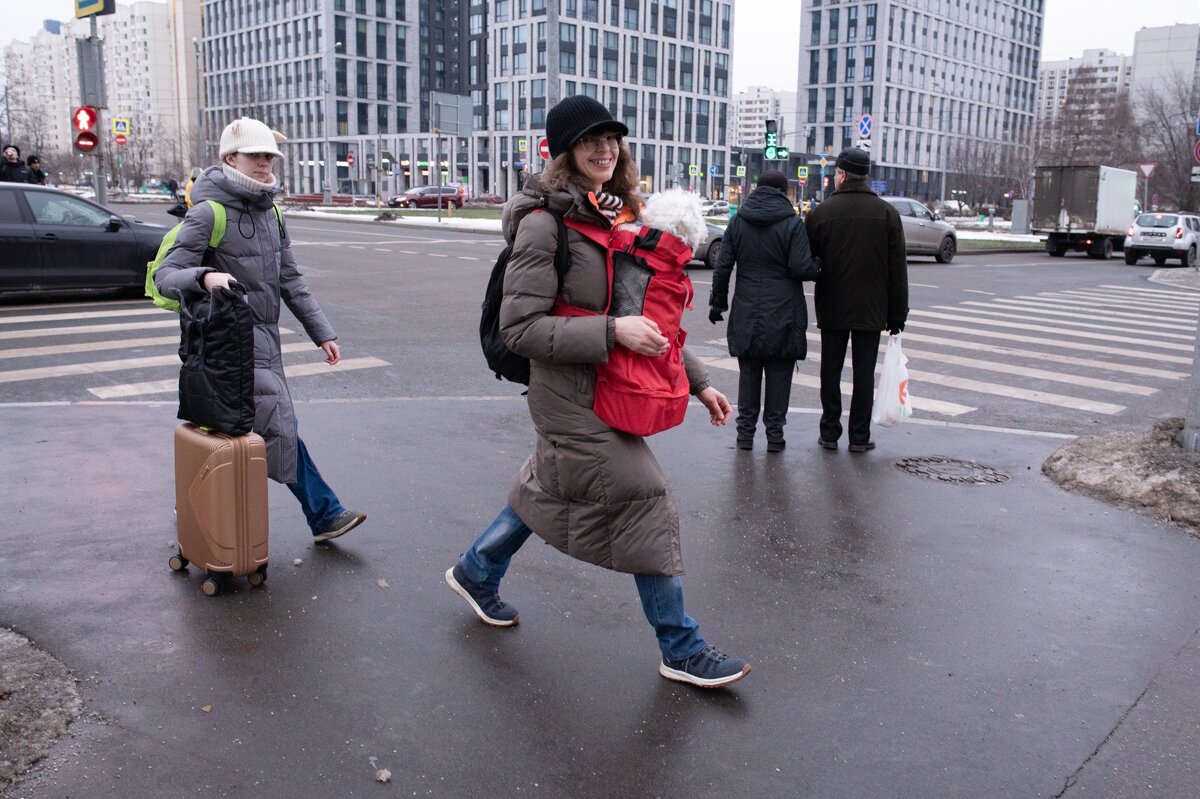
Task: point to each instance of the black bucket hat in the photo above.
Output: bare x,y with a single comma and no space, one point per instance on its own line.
574,117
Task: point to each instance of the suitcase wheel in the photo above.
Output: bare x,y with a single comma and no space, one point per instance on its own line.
258,577
210,586
178,563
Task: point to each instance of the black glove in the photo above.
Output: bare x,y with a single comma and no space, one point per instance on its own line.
894,328
716,315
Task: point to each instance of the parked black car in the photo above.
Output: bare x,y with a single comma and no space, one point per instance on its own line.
51,240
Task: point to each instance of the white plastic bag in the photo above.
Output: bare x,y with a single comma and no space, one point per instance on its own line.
892,403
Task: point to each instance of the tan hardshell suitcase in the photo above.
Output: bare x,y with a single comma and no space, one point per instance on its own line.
221,505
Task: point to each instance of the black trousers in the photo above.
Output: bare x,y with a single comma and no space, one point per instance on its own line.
864,352
778,372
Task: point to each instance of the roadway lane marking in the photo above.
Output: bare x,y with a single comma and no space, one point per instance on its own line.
1105,308
76,305
435,255
468,258
98,367
1030,316
1182,294
62,317
47,332
1053,342
1088,363
1012,392
1146,303
814,381
91,346
1056,330
172,386
1048,307
382,249
977,291
923,286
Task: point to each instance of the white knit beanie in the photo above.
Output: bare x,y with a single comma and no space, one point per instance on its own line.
247,135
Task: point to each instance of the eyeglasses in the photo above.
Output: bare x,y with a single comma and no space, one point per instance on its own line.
611,141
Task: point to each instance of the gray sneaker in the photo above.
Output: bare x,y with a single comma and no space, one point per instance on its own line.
708,668
344,523
487,605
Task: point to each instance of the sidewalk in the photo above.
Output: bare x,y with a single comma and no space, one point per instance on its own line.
980,634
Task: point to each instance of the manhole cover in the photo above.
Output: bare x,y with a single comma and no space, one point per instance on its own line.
951,470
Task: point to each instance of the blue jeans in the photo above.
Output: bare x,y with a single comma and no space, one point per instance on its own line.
662,597
320,504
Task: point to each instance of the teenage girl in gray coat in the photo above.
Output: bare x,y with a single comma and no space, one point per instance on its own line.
256,253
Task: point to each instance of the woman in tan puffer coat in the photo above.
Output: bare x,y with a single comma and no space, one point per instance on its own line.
591,491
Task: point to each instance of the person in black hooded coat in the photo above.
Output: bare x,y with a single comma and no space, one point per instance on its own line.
766,330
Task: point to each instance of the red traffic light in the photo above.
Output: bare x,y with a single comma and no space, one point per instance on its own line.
85,118
86,141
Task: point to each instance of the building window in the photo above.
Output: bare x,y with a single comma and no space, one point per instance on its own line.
833,26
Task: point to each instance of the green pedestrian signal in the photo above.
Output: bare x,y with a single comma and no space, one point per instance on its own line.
770,152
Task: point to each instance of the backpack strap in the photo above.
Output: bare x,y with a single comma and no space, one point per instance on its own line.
279,219
218,229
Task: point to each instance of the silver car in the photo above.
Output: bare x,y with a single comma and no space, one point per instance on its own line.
1163,235
925,233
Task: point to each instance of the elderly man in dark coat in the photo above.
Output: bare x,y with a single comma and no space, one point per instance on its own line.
863,289
766,331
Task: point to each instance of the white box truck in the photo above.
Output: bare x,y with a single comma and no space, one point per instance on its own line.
1083,208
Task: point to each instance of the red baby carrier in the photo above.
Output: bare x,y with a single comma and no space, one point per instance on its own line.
637,393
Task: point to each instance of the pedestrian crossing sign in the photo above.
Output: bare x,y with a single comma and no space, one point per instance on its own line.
120,126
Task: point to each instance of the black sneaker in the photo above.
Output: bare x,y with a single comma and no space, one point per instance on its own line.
865,447
487,606
776,446
827,444
708,668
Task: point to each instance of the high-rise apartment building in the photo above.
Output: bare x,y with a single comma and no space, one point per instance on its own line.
754,106
1086,87
949,86
363,74
1165,54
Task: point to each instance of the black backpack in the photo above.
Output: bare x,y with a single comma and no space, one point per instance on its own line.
500,359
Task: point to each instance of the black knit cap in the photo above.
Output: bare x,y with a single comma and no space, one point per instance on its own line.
574,117
854,161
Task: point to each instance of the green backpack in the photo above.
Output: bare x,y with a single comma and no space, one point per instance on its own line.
214,238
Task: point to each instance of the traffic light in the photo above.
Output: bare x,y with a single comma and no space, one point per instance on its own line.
84,120
771,149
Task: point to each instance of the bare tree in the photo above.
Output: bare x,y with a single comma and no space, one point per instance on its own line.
1165,111
1094,126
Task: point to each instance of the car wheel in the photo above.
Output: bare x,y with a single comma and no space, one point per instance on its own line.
1159,258
714,252
1057,252
945,252
1131,257
1189,258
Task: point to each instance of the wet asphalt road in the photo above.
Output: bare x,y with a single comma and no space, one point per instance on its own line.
909,637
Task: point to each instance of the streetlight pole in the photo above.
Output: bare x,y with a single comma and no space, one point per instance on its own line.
201,144
329,169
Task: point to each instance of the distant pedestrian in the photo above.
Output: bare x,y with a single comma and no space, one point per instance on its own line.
173,188
768,323
36,174
257,253
12,168
862,290
591,491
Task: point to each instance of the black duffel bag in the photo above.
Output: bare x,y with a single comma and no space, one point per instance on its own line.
216,381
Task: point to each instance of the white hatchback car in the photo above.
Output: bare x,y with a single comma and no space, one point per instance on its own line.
1163,235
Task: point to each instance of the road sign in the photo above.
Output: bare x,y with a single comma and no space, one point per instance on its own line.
714,170
802,181
544,148
120,126
694,170
121,139
349,159
1197,151
864,126
89,8
879,186
1198,124
863,144
802,172
741,171
1196,174
824,161
1147,169
522,145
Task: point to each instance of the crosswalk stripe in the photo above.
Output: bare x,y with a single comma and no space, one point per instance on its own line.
1126,301
1056,330
1050,309
1088,363
1035,374
1104,306
1053,342
812,381
90,346
49,332
97,367
172,385
1179,293
1029,316
62,317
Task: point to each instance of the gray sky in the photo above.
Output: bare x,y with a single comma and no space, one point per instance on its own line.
760,57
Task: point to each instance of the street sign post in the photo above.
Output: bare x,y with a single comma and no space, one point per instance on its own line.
864,127
544,148
1147,169
120,138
